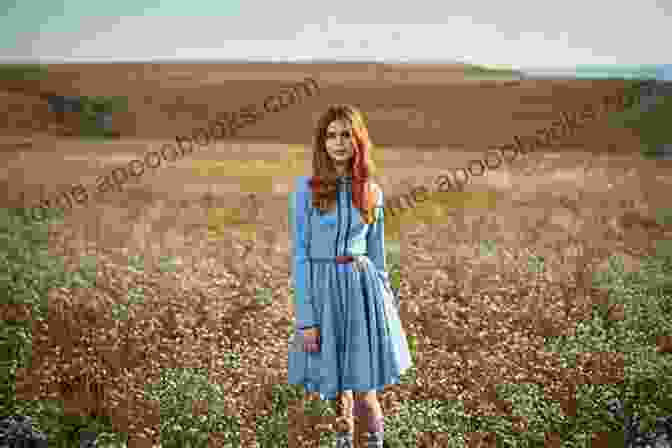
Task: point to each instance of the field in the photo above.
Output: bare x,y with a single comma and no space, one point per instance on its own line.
518,335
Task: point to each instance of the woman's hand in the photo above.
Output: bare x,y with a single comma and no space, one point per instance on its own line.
359,263
311,339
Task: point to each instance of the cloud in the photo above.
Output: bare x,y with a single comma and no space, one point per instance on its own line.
512,33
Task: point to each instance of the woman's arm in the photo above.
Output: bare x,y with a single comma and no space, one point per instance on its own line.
303,306
375,239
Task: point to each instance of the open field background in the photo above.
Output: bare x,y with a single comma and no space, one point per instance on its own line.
488,276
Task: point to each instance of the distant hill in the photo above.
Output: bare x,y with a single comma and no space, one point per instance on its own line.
601,72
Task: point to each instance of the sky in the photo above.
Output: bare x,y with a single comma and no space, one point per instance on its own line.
513,34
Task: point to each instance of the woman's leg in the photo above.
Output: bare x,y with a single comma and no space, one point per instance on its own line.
367,405
367,402
345,422
344,417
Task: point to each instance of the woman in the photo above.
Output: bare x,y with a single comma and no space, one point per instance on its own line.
349,337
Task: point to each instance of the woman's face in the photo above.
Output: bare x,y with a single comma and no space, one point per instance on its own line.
339,141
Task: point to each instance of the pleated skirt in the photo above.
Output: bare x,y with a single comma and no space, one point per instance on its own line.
363,346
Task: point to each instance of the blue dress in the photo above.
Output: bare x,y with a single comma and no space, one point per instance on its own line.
363,346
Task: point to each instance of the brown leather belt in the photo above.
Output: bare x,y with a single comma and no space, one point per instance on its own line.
340,259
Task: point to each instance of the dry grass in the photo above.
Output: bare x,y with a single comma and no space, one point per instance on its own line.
480,317
470,296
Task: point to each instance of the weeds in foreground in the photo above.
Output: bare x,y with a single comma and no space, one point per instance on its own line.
27,273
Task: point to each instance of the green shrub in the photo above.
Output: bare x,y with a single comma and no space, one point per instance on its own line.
91,107
167,263
536,264
264,296
136,263
27,273
89,130
393,252
402,429
395,278
664,216
272,428
176,392
487,248
648,314
651,126
15,72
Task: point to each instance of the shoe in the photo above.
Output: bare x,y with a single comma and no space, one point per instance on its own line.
345,440
374,440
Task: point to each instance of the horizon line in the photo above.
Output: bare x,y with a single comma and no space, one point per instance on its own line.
307,61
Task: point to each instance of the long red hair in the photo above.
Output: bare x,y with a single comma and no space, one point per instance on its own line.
323,183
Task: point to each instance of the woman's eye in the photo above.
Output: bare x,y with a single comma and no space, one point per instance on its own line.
344,134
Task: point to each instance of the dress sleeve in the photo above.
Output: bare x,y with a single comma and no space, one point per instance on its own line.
303,306
375,239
